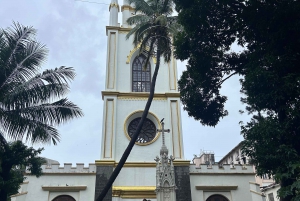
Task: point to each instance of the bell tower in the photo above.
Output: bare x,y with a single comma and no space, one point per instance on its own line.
126,92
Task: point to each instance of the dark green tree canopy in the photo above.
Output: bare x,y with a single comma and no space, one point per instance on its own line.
16,158
269,31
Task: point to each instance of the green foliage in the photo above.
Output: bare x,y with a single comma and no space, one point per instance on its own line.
153,26
31,103
209,31
269,63
15,157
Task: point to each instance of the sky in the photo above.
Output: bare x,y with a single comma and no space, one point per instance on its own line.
74,33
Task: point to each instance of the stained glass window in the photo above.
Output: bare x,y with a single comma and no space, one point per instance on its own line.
147,133
140,77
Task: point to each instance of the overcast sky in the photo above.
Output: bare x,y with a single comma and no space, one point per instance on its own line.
74,32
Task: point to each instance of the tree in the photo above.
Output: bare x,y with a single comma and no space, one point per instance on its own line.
31,103
269,32
153,29
28,109
14,159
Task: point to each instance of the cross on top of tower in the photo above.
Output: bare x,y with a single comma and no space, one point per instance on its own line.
164,149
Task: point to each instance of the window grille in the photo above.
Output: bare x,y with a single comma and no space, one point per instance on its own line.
141,78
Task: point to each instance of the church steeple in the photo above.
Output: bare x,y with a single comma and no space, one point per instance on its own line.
113,10
126,13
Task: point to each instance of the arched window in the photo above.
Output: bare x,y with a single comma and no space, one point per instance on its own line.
217,198
64,198
140,77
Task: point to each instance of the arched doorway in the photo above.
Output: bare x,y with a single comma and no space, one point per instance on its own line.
64,198
217,198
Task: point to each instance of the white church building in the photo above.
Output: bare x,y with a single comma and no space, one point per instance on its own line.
156,169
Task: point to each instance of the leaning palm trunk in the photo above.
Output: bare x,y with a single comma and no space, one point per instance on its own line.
136,134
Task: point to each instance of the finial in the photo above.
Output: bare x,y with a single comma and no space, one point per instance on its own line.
114,10
164,149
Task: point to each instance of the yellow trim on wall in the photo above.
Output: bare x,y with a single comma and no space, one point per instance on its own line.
109,61
139,94
104,162
112,127
177,162
127,7
134,50
134,192
117,29
137,112
178,128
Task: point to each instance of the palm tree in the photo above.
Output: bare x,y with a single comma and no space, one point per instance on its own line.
154,27
31,103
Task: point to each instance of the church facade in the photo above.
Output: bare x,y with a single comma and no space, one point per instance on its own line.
156,169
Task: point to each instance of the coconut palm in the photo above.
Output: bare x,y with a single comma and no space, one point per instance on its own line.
31,103
154,27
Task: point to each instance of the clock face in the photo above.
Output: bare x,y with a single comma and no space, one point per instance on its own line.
147,133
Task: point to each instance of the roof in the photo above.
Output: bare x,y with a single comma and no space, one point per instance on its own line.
231,151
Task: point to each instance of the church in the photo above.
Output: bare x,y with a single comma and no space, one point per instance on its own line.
156,169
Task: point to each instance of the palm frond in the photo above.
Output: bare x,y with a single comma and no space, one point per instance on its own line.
29,94
27,110
24,122
42,88
138,19
142,7
21,57
59,75
138,33
158,24
45,134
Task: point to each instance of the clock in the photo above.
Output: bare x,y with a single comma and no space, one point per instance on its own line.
148,131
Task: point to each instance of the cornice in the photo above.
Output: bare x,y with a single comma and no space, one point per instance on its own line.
178,162
216,188
18,194
105,162
134,192
139,94
139,164
251,182
63,188
258,193
127,7
117,29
